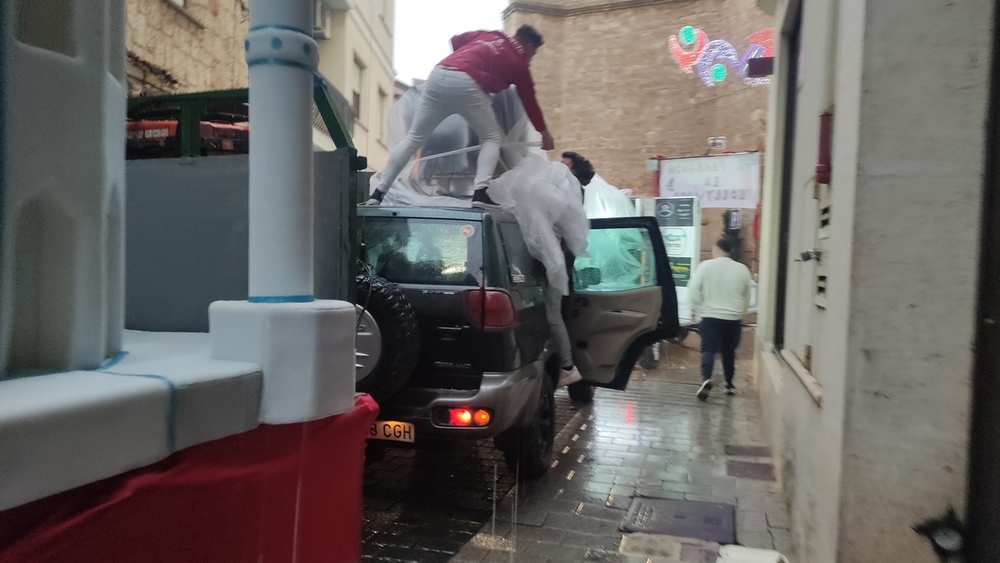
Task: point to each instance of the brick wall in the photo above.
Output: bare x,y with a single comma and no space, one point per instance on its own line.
195,48
610,89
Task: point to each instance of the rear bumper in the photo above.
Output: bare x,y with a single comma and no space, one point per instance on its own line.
509,396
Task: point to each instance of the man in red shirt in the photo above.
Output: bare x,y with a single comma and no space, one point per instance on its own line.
483,63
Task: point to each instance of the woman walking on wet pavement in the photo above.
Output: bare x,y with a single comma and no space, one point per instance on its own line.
719,291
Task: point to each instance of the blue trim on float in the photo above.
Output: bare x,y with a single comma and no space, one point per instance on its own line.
281,62
278,26
282,299
171,404
113,360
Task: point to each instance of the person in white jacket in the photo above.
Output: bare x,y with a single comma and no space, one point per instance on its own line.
719,291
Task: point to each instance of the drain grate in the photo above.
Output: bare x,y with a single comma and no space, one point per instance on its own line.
707,521
748,451
750,470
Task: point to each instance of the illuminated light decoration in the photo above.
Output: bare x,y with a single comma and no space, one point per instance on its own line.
685,59
692,51
718,72
687,35
712,52
764,38
753,51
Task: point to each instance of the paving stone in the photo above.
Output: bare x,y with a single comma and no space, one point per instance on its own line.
760,540
725,499
656,545
751,521
686,488
778,519
783,541
658,492
750,500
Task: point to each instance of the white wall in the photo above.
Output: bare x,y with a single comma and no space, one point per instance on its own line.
806,422
872,437
918,200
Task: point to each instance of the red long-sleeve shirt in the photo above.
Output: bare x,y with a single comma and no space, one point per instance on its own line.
496,61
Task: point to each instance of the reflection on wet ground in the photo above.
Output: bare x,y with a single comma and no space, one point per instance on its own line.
655,440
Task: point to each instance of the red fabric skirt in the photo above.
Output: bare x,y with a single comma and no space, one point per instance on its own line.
289,492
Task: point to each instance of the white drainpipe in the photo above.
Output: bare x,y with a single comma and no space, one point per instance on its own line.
281,55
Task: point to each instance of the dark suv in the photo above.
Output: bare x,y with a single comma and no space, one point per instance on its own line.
453,341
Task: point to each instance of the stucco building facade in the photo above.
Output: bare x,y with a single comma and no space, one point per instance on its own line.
873,279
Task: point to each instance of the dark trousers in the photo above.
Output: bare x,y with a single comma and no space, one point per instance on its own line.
719,336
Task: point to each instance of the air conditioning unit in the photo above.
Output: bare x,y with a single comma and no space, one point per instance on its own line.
321,21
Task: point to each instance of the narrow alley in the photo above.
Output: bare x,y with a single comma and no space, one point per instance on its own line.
652,448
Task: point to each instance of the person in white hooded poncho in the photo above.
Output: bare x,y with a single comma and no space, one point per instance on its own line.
546,198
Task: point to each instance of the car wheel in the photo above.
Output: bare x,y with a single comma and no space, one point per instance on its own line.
581,392
387,344
527,449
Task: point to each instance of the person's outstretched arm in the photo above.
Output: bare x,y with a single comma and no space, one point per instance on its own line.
526,91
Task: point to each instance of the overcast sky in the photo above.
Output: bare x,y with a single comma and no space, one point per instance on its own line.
423,28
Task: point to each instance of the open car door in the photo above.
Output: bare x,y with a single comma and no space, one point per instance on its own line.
622,300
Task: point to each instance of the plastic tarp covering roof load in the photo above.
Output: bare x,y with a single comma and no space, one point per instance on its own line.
616,253
543,196
442,172
547,202
604,200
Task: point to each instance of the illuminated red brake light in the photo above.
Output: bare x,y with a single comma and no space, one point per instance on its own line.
459,417
489,309
467,417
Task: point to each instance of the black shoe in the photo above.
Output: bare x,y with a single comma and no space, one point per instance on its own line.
730,390
702,393
482,200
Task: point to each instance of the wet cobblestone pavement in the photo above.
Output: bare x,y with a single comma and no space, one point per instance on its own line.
653,441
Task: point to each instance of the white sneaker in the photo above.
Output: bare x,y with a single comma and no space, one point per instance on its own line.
569,376
702,393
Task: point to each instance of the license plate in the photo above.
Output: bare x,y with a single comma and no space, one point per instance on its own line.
392,430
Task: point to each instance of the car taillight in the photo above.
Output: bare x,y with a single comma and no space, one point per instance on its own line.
489,309
468,417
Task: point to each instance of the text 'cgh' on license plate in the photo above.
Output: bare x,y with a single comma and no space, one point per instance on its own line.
392,430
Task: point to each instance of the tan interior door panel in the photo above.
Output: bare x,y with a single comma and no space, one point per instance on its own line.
602,325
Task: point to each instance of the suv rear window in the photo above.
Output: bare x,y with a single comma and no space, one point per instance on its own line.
424,251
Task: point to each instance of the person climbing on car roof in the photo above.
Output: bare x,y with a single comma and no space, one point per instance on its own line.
483,63
583,171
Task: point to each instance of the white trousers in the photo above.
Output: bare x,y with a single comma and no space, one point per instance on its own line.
557,327
445,93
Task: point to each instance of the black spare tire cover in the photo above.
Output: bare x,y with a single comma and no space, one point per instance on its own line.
388,339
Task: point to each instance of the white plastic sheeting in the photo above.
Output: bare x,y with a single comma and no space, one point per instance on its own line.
605,200
547,201
544,197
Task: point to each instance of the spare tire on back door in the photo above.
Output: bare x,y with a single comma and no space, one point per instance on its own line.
388,339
